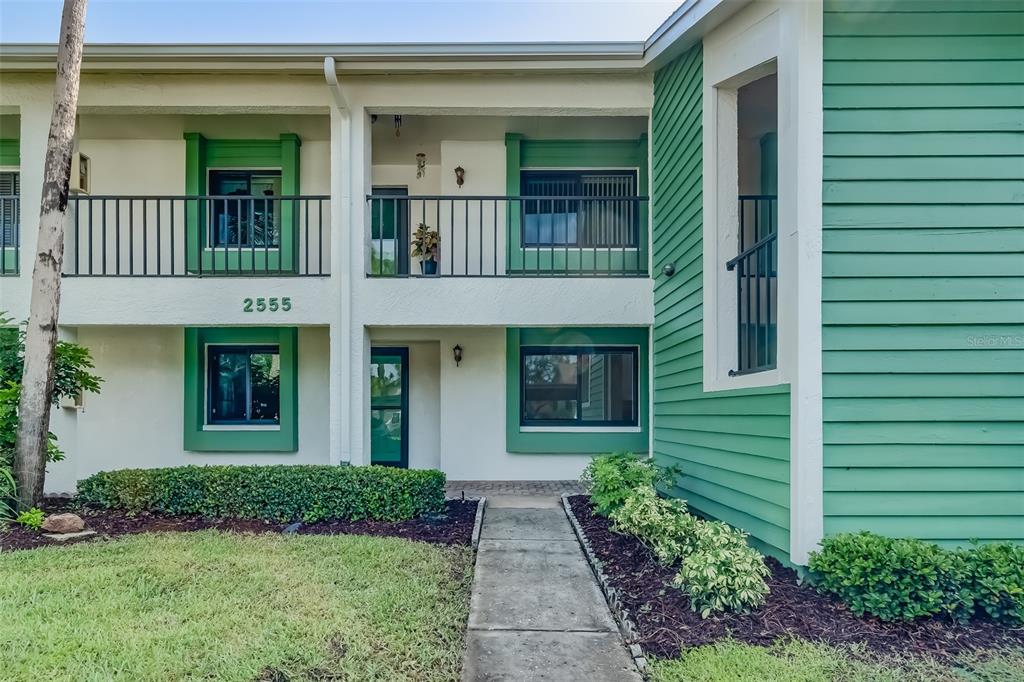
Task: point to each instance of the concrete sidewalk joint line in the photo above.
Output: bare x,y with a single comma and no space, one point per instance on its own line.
536,611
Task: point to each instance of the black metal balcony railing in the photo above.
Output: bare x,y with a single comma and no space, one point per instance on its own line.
756,267
197,236
509,236
10,234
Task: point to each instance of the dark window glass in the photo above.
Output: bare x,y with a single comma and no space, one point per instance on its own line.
251,219
594,217
579,386
10,188
244,385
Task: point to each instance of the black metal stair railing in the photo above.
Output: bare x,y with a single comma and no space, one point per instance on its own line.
756,268
197,236
508,236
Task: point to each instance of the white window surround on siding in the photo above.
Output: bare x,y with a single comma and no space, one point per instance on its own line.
785,38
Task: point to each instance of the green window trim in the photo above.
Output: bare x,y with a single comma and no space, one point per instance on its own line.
574,440
526,154
10,152
285,438
10,159
202,155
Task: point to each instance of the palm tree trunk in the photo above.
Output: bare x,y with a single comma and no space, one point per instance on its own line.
41,335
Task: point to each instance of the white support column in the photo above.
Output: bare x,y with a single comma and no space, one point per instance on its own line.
806,526
338,395
358,183
35,129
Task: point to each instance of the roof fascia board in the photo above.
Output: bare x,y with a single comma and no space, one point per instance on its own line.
692,20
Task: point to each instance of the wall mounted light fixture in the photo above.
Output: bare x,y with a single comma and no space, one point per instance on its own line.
460,175
398,126
457,354
421,165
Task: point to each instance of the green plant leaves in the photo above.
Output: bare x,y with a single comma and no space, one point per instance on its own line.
281,493
905,579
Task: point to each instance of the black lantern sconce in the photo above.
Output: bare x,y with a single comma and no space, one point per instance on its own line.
460,175
457,354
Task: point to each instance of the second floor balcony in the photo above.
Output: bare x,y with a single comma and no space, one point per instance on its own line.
542,235
197,236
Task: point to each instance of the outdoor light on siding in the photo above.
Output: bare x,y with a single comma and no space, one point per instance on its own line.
669,269
457,354
398,126
421,165
460,175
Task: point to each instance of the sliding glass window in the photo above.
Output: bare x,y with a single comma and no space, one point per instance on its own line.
244,385
579,386
602,211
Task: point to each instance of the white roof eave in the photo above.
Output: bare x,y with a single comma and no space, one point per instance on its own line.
692,19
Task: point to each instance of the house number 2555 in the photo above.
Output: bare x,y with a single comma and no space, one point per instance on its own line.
273,304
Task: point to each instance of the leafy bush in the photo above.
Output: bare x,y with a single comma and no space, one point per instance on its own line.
892,578
71,376
31,518
8,498
275,493
610,479
663,525
995,580
723,573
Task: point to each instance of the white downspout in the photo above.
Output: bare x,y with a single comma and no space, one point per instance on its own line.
340,370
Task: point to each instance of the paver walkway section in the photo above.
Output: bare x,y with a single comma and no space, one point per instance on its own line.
536,611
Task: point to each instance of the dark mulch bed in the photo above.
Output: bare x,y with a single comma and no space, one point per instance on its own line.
453,527
666,624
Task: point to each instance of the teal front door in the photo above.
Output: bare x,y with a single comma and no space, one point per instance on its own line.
389,407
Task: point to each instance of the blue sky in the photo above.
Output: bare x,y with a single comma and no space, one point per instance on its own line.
339,21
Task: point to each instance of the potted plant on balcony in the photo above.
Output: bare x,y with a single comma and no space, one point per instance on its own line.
425,243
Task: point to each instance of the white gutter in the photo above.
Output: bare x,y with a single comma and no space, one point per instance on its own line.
342,51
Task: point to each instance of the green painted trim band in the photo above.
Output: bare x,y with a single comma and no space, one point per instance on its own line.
196,439
582,441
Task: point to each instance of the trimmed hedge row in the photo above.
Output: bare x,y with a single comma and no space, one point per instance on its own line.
274,493
904,579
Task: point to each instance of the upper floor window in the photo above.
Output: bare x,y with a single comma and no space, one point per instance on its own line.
609,219
10,190
244,385
246,221
579,386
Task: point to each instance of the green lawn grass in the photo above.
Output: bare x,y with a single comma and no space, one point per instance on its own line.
221,606
800,661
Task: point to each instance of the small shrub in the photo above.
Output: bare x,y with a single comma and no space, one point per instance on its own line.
308,493
892,578
33,518
610,479
723,573
995,580
663,525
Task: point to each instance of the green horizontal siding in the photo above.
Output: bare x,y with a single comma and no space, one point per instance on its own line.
923,291
732,447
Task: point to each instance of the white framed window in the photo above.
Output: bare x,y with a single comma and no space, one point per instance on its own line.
748,206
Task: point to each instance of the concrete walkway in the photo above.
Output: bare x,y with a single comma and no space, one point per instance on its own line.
536,611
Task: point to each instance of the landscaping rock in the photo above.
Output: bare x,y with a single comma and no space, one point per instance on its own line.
63,523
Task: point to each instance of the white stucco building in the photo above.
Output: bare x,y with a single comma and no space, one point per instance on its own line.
239,255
